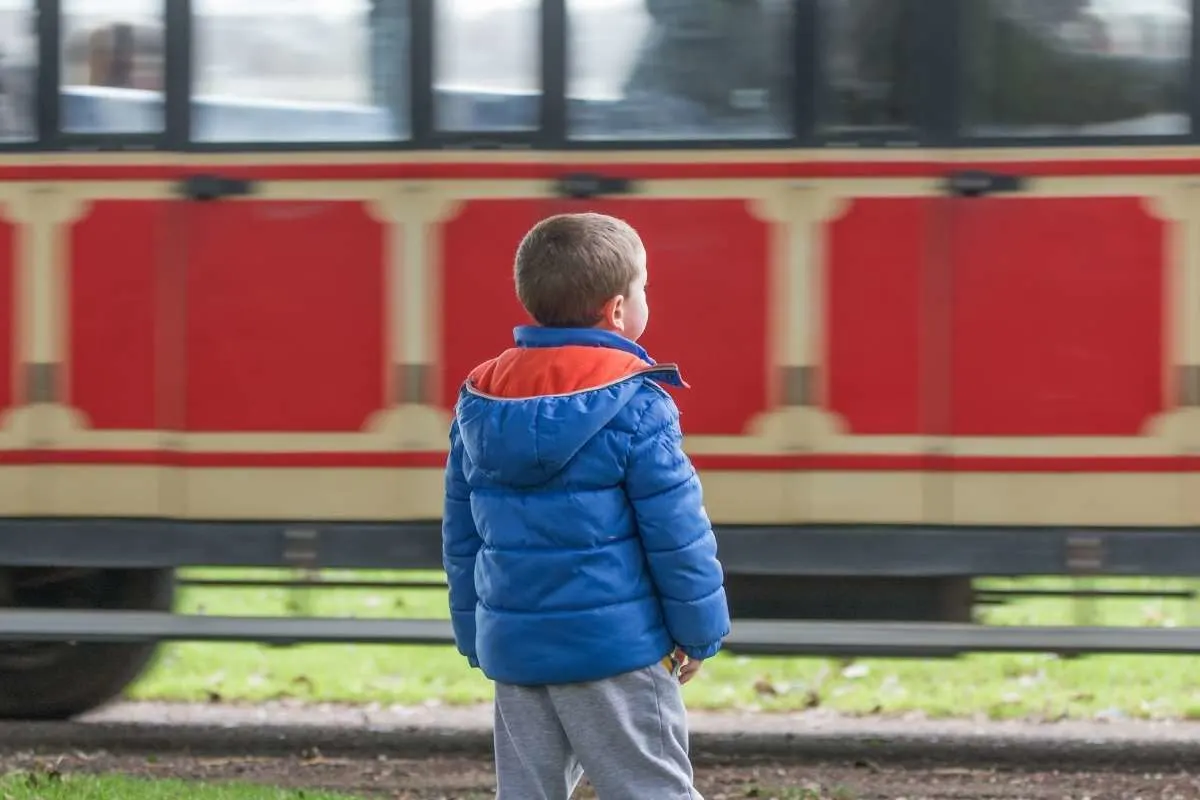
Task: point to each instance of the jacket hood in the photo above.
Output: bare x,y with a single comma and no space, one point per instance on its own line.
524,415
527,442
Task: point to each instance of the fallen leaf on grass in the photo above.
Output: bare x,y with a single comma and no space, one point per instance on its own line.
856,671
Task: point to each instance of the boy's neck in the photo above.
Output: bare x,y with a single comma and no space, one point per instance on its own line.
608,327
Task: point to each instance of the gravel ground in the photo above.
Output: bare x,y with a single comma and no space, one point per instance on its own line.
443,753
445,778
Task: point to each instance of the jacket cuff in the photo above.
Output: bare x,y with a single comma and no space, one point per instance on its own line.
702,653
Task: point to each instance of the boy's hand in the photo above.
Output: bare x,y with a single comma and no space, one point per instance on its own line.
690,668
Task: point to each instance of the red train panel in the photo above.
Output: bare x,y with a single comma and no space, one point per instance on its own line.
708,294
1058,317
996,317
875,262
117,264
285,322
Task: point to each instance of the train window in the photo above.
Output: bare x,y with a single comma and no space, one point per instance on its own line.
487,65
868,75
113,66
300,71
680,69
18,70
1076,67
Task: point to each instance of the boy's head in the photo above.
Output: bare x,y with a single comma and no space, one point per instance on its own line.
584,271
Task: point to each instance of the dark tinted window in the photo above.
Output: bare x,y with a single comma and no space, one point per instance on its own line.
680,69
1076,67
867,65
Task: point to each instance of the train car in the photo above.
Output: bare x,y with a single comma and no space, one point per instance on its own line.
931,267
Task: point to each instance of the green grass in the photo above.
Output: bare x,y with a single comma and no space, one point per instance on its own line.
999,686
51,786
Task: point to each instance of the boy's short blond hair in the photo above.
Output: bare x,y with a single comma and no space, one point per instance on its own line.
568,266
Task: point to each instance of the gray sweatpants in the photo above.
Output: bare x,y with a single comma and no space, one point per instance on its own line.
628,733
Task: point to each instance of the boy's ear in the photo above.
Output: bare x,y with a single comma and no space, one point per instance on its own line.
613,315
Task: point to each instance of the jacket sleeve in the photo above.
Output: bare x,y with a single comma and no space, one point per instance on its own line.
677,536
460,544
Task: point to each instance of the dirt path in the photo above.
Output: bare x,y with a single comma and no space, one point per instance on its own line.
471,779
444,753
286,728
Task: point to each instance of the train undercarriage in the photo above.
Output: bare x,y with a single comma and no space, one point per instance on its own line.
76,636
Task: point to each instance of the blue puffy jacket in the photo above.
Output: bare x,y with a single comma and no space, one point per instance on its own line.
575,538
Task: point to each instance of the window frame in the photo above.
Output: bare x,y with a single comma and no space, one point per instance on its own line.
51,136
936,39
435,138
924,38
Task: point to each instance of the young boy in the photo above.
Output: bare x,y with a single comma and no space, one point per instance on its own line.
583,569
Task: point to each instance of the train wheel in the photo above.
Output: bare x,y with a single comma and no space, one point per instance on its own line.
58,680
